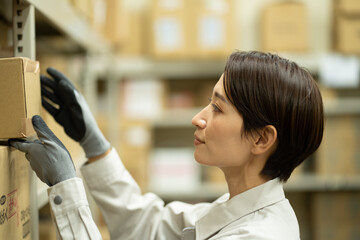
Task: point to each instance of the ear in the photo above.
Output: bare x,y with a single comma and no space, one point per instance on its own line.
265,140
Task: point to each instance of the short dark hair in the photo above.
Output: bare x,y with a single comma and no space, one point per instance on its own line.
269,90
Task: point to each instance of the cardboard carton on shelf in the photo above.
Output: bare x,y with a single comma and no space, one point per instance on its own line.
19,96
285,28
123,25
168,29
14,195
339,151
336,215
351,7
212,29
134,145
347,38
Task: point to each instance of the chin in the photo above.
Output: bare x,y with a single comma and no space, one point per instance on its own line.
202,159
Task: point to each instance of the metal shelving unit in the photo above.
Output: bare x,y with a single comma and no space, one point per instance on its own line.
100,61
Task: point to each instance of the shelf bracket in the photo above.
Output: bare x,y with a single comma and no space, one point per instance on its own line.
24,46
24,29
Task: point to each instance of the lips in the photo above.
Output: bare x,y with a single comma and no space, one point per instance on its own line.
198,141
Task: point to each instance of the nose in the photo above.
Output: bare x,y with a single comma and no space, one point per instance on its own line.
199,120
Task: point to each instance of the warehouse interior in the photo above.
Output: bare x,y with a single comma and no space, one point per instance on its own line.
146,67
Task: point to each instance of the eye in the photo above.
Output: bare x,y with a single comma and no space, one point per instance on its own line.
215,108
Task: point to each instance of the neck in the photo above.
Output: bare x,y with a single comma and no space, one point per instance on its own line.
240,180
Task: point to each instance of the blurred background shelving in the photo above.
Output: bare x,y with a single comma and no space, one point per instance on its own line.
147,67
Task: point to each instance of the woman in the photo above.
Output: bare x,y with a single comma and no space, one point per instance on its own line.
265,117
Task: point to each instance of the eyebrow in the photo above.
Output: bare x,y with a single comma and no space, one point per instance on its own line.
221,97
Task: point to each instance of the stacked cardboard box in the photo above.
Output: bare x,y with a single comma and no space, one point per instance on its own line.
347,26
191,29
285,27
14,195
168,28
336,216
339,151
212,28
134,148
124,25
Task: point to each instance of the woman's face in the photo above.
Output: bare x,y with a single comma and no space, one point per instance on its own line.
218,139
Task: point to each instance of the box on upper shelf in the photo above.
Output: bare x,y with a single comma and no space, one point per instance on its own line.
350,7
191,29
347,26
285,28
212,28
124,26
168,29
347,38
19,96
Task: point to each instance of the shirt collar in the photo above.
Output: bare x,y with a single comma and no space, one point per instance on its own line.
224,211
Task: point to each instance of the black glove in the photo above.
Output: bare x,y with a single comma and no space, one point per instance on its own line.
73,113
48,157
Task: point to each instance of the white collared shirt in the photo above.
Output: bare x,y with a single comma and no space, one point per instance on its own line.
262,212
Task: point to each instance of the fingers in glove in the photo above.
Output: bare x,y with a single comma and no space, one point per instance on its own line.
50,96
50,108
45,81
20,144
43,131
58,76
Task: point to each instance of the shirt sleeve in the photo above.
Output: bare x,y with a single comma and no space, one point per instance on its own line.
128,213
70,211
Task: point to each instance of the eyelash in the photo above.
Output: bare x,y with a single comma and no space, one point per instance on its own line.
215,108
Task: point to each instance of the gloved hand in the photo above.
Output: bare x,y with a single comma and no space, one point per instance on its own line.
73,113
47,155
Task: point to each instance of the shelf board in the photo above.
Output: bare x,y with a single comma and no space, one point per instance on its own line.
305,183
145,67
183,69
73,25
342,106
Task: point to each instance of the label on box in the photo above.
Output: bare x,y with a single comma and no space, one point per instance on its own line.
339,71
168,34
211,32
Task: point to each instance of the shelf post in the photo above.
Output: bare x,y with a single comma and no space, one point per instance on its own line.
24,46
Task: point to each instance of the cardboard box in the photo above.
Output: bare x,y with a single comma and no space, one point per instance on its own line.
134,148
347,39
20,96
14,195
212,28
350,7
168,29
336,216
124,26
285,27
339,151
